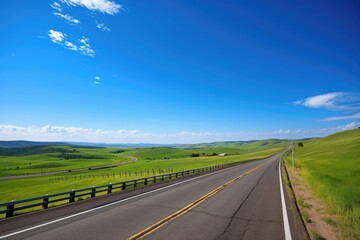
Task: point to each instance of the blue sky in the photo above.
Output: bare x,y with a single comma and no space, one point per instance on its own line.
178,71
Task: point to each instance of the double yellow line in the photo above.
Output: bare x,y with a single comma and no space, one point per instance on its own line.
187,208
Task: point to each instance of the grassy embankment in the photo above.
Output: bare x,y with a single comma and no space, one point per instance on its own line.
331,166
150,160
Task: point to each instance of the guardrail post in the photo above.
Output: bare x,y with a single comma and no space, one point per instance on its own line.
93,191
145,181
123,187
72,196
169,175
10,209
182,173
154,179
162,178
135,183
176,175
109,188
45,203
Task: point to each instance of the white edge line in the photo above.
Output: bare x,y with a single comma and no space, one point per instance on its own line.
109,204
284,211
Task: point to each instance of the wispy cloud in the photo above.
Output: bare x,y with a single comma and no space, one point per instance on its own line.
102,27
103,6
56,6
56,36
97,80
83,44
71,46
69,19
354,116
85,47
325,100
333,101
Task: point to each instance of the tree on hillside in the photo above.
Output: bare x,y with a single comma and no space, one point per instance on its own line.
300,144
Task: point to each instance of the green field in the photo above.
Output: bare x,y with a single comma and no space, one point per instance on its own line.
331,166
32,160
150,161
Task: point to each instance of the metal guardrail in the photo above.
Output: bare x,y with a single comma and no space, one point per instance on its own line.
70,196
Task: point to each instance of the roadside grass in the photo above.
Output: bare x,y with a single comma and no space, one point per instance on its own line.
37,186
331,166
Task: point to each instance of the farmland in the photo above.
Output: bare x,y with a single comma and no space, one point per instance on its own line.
150,161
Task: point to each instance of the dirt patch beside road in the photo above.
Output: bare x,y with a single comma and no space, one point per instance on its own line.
319,223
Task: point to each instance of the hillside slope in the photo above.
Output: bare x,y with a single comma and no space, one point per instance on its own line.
331,166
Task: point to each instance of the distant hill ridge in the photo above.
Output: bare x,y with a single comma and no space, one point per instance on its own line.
23,143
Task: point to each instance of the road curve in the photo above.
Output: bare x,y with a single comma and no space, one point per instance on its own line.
247,205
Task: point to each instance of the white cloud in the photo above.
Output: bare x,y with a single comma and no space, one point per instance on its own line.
103,6
102,27
303,133
56,6
67,18
61,133
325,100
333,101
96,82
354,116
85,47
71,46
97,78
194,134
56,36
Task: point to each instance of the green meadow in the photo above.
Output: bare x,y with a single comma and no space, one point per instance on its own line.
40,159
331,166
149,161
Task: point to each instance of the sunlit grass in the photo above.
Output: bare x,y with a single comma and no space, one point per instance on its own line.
331,166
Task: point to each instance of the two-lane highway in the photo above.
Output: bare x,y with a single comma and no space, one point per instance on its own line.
241,202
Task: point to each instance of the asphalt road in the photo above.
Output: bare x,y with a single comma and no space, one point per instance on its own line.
246,204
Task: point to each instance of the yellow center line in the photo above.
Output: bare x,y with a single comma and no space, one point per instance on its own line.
187,208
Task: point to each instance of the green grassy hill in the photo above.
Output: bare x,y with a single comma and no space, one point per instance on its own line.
254,144
331,166
37,159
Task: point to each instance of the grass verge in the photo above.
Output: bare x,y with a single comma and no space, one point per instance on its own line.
331,167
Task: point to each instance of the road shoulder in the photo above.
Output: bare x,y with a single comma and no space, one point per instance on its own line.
307,209
297,225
